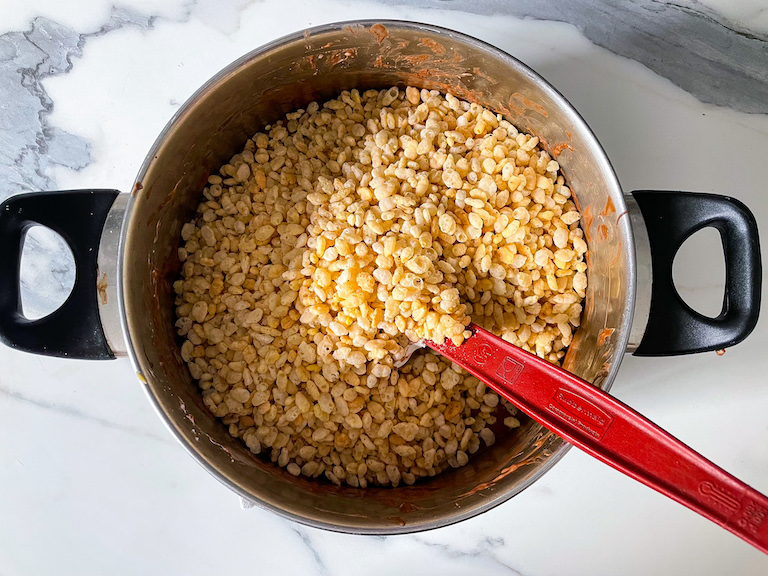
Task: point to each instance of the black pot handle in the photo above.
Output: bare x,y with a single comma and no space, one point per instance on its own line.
673,326
74,330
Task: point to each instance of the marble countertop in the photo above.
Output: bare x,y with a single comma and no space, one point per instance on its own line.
92,482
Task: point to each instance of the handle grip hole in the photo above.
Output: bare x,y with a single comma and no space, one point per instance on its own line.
47,272
699,272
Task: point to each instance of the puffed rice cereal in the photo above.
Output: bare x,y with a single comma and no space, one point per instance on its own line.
342,233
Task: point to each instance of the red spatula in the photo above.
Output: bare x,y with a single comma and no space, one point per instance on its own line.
612,432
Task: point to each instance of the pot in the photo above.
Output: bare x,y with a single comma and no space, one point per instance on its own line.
125,250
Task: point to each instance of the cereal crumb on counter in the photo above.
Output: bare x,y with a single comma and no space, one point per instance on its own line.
344,232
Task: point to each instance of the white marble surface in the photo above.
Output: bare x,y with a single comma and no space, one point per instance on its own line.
91,481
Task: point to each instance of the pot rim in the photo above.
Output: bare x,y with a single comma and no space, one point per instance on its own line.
596,149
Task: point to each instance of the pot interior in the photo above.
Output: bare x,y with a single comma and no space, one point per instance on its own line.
259,89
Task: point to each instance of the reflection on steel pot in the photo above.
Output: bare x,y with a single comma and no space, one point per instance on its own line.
122,301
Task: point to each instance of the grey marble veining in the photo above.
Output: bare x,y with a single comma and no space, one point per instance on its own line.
72,412
28,143
484,551
689,44
303,536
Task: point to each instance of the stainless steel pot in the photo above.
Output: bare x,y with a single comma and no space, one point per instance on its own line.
122,302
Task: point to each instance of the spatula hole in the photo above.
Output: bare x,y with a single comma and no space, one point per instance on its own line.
699,272
47,272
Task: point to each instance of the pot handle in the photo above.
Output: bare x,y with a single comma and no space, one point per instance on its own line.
673,326
73,330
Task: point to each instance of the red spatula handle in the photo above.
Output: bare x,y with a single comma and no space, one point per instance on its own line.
612,432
